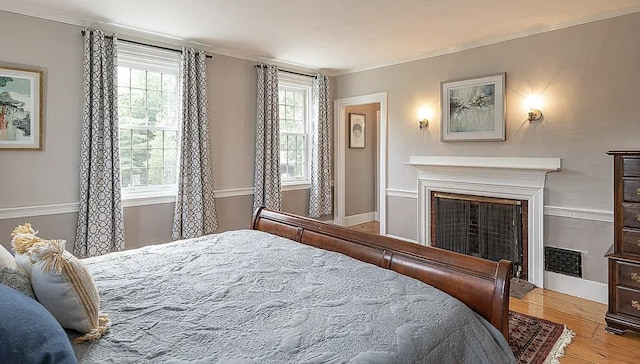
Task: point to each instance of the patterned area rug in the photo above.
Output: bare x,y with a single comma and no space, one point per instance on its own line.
536,341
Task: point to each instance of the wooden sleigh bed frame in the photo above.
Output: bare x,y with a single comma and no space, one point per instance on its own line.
481,284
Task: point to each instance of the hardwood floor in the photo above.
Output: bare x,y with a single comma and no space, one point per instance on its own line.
592,344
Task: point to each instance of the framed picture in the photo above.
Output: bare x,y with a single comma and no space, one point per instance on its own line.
473,109
356,130
20,109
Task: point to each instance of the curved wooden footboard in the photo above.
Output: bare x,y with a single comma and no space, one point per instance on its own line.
481,284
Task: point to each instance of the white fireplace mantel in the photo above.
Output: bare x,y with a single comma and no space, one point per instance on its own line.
502,177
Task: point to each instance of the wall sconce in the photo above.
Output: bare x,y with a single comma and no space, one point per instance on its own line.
534,104
424,114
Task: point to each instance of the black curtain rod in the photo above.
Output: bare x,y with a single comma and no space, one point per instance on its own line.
147,45
297,73
291,72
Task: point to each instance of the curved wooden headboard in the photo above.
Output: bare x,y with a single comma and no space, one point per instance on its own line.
481,284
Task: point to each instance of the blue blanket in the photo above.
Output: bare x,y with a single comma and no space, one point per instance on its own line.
250,297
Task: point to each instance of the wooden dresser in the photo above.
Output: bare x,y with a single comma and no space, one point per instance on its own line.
624,255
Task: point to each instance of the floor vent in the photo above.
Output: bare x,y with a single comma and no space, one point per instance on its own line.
563,261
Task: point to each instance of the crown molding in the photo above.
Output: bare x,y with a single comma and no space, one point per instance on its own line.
493,40
133,33
167,39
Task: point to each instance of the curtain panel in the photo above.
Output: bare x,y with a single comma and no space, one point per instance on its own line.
267,167
195,209
320,197
100,227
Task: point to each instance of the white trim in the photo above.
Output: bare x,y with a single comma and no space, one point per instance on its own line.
512,178
74,207
28,211
402,238
579,287
535,164
295,186
396,192
233,192
556,211
147,200
339,147
579,213
359,219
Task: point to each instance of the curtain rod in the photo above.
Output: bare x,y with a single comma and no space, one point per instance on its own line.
147,44
291,72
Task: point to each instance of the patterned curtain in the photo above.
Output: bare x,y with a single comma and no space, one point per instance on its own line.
100,226
195,211
267,170
320,195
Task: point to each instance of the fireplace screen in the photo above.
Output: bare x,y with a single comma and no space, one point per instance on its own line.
489,228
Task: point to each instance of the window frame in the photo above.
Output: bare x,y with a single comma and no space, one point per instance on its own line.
287,81
155,60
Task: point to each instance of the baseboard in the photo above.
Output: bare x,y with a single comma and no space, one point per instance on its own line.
589,290
403,238
359,219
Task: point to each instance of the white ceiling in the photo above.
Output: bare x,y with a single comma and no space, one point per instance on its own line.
338,36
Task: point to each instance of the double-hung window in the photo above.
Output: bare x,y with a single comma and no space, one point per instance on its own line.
294,101
149,121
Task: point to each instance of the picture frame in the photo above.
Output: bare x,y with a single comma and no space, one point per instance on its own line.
21,121
357,130
473,109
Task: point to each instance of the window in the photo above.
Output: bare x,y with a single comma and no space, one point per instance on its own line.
294,100
149,122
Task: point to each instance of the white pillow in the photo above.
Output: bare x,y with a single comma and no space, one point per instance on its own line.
12,274
63,284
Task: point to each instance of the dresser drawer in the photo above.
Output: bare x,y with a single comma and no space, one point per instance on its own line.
631,212
631,189
631,241
629,275
629,301
631,166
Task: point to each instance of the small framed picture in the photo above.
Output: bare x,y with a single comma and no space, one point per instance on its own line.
356,130
473,109
20,109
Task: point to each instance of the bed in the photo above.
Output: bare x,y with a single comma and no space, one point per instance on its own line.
290,291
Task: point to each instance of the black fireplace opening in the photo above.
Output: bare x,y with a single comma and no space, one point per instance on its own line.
485,227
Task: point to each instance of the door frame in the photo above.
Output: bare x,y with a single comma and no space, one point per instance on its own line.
339,148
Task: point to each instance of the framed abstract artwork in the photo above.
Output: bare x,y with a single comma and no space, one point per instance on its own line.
473,109
20,109
356,130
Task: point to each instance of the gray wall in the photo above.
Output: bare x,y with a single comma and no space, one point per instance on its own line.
360,164
589,77
51,176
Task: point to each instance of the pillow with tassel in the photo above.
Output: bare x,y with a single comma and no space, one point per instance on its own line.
23,238
63,284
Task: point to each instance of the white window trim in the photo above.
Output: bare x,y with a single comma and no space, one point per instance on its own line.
304,82
151,59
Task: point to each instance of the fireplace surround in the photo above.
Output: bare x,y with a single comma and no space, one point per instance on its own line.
500,177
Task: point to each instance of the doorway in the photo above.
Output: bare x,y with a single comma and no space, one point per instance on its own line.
348,161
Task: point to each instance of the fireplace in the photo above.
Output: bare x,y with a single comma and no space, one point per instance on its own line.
520,179
485,227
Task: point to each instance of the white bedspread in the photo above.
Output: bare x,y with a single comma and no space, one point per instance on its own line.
250,297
